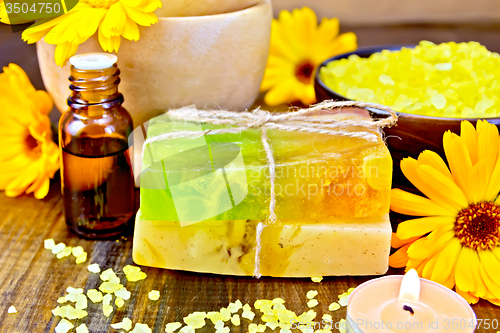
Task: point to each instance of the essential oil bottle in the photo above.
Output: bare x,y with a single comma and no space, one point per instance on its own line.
96,167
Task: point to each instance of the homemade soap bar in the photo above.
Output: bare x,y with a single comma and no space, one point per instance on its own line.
204,199
296,248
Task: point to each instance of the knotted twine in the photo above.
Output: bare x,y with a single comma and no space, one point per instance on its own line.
294,121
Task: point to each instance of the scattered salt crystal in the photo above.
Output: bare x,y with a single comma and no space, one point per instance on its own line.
117,326
248,315
94,295
49,244
272,324
64,326
219,324
247,307
187,329
64,253
342,326
195,319
344,300
225,313
223,330
94,268
82,329
127,324
110,287
171,327
62,300
81,258
76,251
327,317
119,302
11,309
107,309
108,274
312,303
235,320
317,279
58,248
141,328
311,294
285,330
123,293
439,101
252,328
154,295
386,80
81,302
261,328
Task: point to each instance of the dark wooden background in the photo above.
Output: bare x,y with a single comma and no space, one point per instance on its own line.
32,279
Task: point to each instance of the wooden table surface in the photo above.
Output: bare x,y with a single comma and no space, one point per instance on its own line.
32,279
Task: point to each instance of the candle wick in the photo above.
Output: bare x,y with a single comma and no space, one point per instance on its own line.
409,309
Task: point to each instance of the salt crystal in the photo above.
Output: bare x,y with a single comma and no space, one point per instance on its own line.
49,244
64,326
171,327
11,309
58,248
154,295
94,268
82,329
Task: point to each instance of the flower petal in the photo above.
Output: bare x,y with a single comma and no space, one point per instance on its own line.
426,247
469,134
428,157
443,272
411,204
399,259
421,226
438,182
412,171
397,242
467,296
281,93
459,160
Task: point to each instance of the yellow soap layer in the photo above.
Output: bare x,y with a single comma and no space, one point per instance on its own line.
289,248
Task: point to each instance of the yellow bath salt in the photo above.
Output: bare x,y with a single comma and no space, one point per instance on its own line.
134,273
223,330
64,326
82,329
94,268
64,253
125,324
445,80
312,303
235,307
272,324
219,324
317,279
119,302
327,317
214,316
69,312
58,248
110,287
81,302
49,244
11,309
141,328
107,308
342,326
81,258
235,320
225,313
154,295
323,330
123,293
76,251
311,294
172,327
334,306
248,314
187,329
108,274
94,295
195,319
252,328
307,316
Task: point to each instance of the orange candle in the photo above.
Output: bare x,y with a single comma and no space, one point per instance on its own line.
407,304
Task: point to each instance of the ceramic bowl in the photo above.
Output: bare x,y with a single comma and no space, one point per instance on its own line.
413,133
201,7
211,61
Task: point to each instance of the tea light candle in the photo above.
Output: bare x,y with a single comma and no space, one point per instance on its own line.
405,304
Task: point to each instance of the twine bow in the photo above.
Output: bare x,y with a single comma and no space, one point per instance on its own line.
295,121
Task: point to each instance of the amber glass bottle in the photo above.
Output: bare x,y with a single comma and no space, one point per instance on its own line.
96,169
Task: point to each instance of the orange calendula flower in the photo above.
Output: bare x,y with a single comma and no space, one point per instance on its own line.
29,157
298,46
456,239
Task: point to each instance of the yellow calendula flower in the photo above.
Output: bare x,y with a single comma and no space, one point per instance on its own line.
298,46
111,19
29,157
458,233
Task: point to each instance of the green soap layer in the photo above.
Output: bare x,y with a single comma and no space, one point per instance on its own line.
226,177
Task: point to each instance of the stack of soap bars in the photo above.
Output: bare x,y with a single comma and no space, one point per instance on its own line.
205,202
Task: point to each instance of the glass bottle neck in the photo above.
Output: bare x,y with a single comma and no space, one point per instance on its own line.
91,87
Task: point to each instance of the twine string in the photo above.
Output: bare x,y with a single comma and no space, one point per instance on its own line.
295,121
